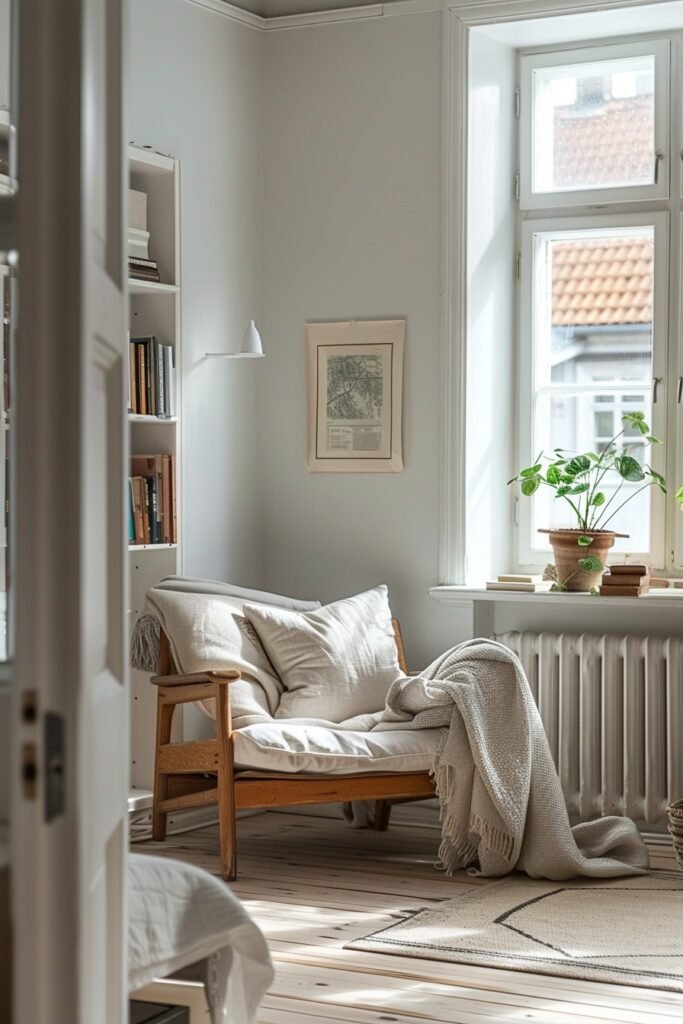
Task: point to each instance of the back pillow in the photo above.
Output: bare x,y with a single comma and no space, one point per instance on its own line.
334,663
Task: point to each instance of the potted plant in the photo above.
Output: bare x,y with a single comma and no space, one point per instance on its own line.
581,552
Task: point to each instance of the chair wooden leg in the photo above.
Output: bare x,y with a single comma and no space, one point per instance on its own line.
226,788
164,723
382,815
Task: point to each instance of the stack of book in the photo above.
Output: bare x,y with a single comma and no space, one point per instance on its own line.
625,581
523,582
152,515
151,378
143,270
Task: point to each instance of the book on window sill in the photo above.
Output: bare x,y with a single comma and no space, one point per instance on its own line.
628,570
622,591
540,587
521,577
619,579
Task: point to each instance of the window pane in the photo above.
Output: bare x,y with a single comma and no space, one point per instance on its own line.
574,422
594,125
598,327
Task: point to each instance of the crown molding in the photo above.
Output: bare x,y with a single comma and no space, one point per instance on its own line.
341,14
289,21
232,13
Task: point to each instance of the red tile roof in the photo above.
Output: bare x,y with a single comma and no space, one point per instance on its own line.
613,145
602,281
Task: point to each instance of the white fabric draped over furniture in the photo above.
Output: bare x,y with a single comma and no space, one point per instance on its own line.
469,717
180,917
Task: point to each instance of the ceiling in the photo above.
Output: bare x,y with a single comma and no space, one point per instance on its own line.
278,8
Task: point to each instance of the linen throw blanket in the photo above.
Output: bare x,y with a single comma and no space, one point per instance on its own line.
502,806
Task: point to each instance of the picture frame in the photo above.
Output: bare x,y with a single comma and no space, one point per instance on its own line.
355,396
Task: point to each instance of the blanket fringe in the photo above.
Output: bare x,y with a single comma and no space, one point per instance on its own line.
144,644
494,838
459,849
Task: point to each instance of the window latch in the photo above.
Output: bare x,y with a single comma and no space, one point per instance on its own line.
679,397
659,156
655,389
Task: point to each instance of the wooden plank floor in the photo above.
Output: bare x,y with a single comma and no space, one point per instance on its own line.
314,884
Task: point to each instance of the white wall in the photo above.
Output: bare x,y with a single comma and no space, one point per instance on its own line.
351,229
193,92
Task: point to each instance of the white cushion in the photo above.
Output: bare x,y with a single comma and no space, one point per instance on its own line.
334,663
316,750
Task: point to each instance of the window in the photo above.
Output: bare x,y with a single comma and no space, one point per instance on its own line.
595,125
600,273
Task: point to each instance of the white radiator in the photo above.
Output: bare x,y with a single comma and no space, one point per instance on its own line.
612,707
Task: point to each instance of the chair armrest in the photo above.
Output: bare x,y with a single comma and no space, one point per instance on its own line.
224,676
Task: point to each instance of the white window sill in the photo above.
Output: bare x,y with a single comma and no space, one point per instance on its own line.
467,596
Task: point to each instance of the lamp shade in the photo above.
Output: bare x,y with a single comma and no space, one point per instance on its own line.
251,346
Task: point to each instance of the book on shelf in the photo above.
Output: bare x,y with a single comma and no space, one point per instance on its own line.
152,378
153,499
520,586
141,263
143,273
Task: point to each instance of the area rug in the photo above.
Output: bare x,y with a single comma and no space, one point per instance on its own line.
628,931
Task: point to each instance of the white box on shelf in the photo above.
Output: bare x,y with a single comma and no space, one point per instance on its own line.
138,243
137,209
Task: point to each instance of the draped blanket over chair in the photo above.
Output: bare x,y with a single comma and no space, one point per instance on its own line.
466,729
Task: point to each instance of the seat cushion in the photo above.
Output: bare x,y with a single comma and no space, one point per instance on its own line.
334,663
317,750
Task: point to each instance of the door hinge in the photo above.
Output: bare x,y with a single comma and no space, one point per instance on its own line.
518,102
517,185
518,266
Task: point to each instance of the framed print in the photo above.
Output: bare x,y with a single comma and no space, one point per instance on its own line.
355,385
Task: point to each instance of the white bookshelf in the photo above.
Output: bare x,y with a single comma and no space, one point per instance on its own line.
154,309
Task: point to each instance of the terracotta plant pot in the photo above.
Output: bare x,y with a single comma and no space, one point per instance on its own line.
568,552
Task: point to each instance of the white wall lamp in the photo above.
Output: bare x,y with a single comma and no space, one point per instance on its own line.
251,347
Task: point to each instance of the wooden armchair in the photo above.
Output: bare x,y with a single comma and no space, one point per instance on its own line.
198,773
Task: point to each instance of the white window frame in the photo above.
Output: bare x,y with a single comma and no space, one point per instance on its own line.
532,551
570,57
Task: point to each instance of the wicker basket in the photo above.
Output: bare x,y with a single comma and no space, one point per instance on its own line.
675,813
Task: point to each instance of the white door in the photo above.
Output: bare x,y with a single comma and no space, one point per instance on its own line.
70,715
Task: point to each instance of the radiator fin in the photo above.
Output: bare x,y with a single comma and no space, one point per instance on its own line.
612,708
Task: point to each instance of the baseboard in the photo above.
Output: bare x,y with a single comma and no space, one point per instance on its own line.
140,823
